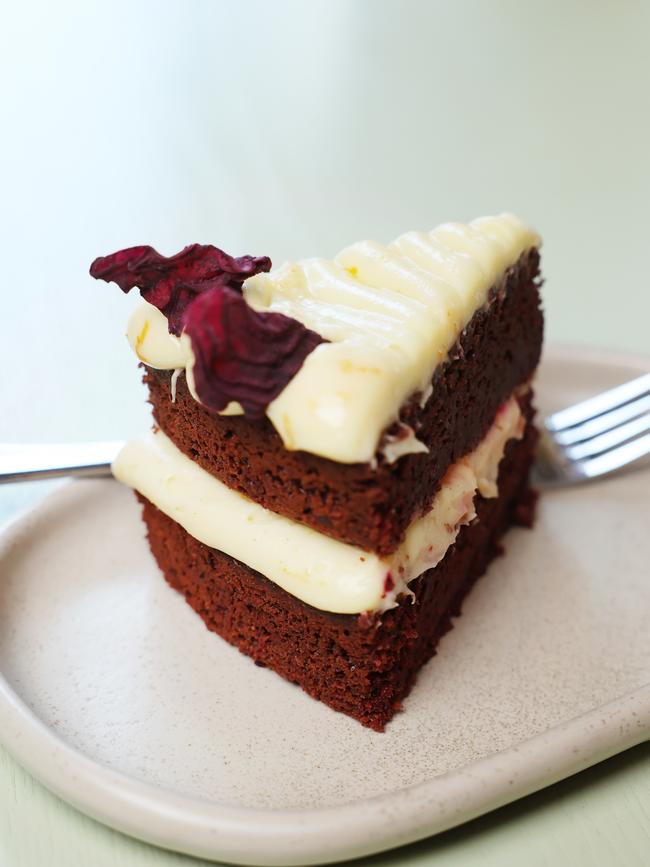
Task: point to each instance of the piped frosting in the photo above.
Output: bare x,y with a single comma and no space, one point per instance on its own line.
390,314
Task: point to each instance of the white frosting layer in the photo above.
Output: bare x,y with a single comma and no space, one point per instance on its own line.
326,573
391,314
148,334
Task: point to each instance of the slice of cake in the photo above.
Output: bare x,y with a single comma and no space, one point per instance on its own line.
338,445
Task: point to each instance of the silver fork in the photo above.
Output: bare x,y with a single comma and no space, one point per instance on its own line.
586,441
596,437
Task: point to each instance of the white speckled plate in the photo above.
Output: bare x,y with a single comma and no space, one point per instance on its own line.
117,698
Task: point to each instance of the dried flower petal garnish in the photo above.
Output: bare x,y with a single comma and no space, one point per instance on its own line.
171,283
242,355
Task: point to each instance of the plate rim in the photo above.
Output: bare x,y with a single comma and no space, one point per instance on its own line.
319,835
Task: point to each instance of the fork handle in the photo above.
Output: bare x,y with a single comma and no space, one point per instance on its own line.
24,462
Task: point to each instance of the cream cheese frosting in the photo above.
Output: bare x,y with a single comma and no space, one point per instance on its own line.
326,573
391,313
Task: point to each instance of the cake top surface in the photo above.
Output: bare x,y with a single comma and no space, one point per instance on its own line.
386,316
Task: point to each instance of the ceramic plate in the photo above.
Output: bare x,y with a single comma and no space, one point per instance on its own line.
115,695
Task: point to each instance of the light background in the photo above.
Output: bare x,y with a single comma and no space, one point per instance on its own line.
291,128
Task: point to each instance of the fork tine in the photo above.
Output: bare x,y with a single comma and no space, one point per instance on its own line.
610,440
602,423
615,459
600,404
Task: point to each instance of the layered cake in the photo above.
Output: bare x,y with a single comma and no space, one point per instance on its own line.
339,445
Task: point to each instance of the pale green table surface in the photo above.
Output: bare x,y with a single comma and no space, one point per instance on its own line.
600,818
293,128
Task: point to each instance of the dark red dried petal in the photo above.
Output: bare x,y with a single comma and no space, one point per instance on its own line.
170,283
242,354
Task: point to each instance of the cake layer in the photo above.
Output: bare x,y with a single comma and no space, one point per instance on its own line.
362,504
389,316
326,573
360,665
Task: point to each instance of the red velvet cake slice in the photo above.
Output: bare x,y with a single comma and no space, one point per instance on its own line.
339,444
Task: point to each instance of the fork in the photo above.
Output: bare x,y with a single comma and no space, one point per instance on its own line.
586,441
596,437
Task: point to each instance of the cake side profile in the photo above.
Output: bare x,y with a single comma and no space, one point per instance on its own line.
364,504
339,445
360,665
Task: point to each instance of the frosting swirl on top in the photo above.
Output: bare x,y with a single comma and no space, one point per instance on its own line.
390,313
